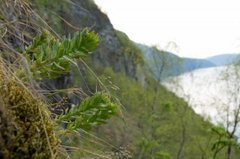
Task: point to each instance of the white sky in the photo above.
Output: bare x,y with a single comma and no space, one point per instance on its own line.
200,28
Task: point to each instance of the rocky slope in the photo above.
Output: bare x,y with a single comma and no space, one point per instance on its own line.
80,14
152,122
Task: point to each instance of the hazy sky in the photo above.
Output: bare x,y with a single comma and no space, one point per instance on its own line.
200,28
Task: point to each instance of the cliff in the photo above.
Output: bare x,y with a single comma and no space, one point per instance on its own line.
80,14
151,122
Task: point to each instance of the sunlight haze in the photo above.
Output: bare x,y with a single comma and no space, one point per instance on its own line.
199,28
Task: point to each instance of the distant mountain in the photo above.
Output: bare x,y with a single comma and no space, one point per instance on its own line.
191,64
173,64
224,59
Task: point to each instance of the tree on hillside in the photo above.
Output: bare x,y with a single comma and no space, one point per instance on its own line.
229,112
159,65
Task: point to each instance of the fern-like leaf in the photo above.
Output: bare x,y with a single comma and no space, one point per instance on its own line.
50,57
94,110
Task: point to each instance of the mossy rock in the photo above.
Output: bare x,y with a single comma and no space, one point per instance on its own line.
26,128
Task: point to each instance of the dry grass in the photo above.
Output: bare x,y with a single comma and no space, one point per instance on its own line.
27,131
26,127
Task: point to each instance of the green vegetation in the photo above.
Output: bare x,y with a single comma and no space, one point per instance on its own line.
50,58
172,130
171,127
92,111
152,123
224,141
53,9
26,128
129,48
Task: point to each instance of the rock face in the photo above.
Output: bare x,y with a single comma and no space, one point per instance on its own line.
110,53
75,16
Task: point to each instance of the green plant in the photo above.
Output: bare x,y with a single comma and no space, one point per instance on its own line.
94,110
163,155
50,57
224,140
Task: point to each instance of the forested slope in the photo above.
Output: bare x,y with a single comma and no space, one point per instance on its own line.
100,103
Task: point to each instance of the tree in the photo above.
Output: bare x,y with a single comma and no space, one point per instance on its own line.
229,111
157,64
160,65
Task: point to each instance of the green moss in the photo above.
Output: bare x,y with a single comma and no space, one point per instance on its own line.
26,129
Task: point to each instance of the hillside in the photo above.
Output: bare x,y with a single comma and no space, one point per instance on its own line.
224,59
71,92
173,64
214,99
